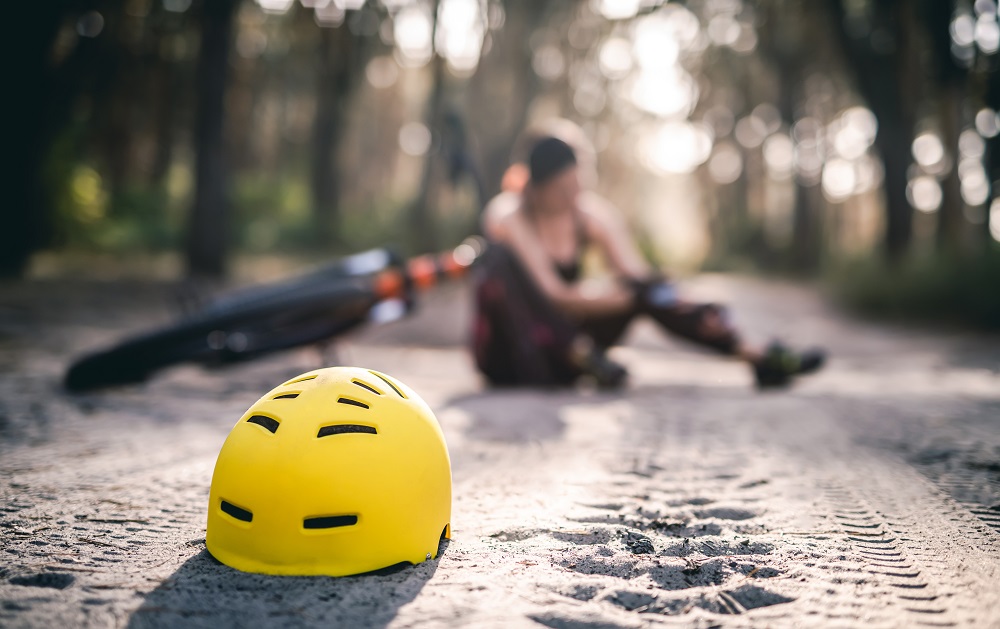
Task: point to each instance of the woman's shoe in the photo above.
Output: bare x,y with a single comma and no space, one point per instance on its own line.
606,373
779,365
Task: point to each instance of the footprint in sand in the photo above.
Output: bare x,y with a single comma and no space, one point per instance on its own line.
726,513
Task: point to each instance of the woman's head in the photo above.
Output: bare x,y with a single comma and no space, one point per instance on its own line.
554,181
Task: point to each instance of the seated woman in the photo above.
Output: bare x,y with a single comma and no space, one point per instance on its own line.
538,324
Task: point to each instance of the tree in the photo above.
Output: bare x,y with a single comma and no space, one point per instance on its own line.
883,66
950,80
341,62
208,229
41,106
503,88
420,215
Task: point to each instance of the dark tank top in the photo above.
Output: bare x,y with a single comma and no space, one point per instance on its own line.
570,271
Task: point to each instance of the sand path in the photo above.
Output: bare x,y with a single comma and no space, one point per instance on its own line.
869,494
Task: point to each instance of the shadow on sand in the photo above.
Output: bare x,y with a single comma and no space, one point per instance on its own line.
515,415
206,593
529,415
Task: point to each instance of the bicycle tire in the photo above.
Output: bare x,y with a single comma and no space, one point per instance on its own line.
133,360
238,332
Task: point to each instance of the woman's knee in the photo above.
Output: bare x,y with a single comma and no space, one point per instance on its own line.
705,324
715,329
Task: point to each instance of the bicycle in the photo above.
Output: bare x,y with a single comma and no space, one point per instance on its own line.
313,308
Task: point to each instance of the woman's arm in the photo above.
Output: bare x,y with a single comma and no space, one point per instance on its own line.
512,229
606,229
497,211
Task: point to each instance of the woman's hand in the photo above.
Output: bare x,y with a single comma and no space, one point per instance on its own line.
598,298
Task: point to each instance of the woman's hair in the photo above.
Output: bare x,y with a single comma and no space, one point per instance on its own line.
549,157
517,175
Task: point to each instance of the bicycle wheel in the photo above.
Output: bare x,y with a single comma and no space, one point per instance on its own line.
136,359
240,331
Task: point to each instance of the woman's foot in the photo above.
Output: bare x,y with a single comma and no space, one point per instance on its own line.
593,361
778,365
606,373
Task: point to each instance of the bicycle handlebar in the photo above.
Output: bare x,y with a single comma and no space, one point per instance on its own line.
423,272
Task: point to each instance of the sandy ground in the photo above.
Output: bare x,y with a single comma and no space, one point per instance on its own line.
868,495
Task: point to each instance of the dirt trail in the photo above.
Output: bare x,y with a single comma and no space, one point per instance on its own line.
869,494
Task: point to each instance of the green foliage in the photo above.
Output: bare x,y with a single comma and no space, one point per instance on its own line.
746,249
962,290
275,214
272,212
137,217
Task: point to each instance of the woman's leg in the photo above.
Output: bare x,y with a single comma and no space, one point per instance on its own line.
705,324
520,337
708,325
608,330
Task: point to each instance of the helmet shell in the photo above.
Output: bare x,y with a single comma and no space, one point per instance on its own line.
338,471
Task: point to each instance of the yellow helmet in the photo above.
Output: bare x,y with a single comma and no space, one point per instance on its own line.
338,471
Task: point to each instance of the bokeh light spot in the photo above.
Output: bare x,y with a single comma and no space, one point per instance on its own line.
676,148
971,144
839,179
459,36
176,6
548,62
726,164
329,14
412,32
670,93
779,155
276,7
615,59
928,149
963,30
750,132
414,139
987,34
618,9
987,122
382,72
924,193
995,219
90,24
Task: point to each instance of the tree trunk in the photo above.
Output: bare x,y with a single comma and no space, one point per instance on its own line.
951,80
504,87
168,89
114,88
893,143
208,228
338,69
887,82
421,218
951,219
991,162
26,223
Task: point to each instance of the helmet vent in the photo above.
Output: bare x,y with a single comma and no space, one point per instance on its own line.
329,521
367,386
343,429
297,380
286,396
267,422
347,400
238,513
388,382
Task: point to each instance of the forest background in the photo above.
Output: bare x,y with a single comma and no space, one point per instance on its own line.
853,142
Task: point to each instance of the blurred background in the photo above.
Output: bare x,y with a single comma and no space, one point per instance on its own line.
850,142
